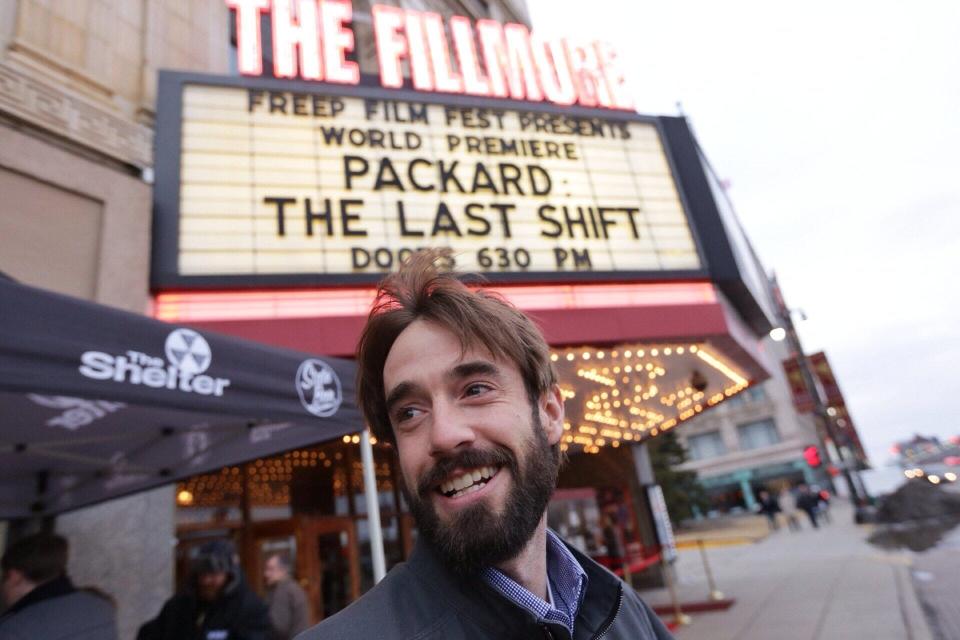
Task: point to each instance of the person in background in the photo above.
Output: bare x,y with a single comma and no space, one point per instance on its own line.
770,507
216,604
786,501
286,600
823,503
613,541
807,501
41,599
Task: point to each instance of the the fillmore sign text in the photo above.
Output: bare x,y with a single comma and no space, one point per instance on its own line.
313,40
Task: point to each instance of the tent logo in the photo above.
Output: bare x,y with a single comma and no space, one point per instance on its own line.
188,356
77,412
319,388
188,351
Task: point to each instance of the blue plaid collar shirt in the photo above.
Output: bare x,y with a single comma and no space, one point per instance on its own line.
566,585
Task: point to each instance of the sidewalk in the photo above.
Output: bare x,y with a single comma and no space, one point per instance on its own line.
737,530
825,584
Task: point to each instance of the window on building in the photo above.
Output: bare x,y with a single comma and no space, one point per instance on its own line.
734,401
754,435
756,394
706,445
752,394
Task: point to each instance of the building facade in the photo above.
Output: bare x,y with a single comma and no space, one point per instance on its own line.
87,211
78,90
753,441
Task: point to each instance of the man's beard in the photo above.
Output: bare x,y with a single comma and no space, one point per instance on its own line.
476,537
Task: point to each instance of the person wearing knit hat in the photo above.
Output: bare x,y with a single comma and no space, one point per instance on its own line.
216,603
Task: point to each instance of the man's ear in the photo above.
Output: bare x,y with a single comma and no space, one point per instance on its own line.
552,413
16,578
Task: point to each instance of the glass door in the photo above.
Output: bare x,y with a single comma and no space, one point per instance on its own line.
332,554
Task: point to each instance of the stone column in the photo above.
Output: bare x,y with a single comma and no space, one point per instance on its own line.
126,548
747,492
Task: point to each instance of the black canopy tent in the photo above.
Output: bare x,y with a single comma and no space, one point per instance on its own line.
97,403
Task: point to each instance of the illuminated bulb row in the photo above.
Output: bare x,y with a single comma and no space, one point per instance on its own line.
602,419
722,367
593,376
735,389
586,355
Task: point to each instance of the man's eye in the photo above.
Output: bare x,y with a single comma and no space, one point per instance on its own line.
476,389
406,413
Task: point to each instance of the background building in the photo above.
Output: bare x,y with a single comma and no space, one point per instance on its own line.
755,440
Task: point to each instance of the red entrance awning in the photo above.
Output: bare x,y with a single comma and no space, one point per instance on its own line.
686,330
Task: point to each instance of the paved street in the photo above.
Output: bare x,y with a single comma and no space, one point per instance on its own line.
936,576
937,579
826,584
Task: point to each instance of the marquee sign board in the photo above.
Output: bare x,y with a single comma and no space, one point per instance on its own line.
284,182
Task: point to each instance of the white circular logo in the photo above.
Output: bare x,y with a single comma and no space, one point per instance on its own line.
319,388
188,351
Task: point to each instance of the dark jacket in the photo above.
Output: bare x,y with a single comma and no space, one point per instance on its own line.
56,610
807,501
770,505
422,600
238,614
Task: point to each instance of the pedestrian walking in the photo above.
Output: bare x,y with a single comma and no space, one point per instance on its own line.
789,511
613,540
216,604
823,503
286,600
769,506
807,502
461,384
42,601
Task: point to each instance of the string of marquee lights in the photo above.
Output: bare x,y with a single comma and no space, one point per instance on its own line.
630,393
269,479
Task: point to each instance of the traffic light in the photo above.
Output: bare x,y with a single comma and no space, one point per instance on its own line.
812,455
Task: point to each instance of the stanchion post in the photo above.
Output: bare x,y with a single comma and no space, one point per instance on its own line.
715,594
679,617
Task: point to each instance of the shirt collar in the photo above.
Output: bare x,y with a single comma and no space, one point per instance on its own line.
566,585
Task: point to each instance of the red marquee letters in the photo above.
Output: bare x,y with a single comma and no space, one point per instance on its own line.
312,39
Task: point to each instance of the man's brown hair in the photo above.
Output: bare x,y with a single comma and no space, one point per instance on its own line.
40,557
424,290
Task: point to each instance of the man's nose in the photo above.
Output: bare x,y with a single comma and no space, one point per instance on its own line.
450,430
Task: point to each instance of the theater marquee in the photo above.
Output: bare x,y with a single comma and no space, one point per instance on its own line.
277,181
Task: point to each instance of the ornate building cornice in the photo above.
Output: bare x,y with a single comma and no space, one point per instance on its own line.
45,105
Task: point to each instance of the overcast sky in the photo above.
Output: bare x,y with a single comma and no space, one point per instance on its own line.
837,125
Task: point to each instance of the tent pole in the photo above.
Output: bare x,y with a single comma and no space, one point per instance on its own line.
373,507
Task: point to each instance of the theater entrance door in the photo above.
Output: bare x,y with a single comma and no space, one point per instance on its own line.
324,552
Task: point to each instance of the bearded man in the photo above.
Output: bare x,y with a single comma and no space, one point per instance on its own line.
460,382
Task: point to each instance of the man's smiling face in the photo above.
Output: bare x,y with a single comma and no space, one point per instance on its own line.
475,454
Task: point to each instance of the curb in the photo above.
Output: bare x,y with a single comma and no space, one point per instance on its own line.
914,619
720,542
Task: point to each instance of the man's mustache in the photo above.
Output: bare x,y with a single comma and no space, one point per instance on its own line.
466,459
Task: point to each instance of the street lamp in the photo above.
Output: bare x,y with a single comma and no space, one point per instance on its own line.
820,409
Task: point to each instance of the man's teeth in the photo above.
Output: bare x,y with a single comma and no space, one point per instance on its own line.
467,482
